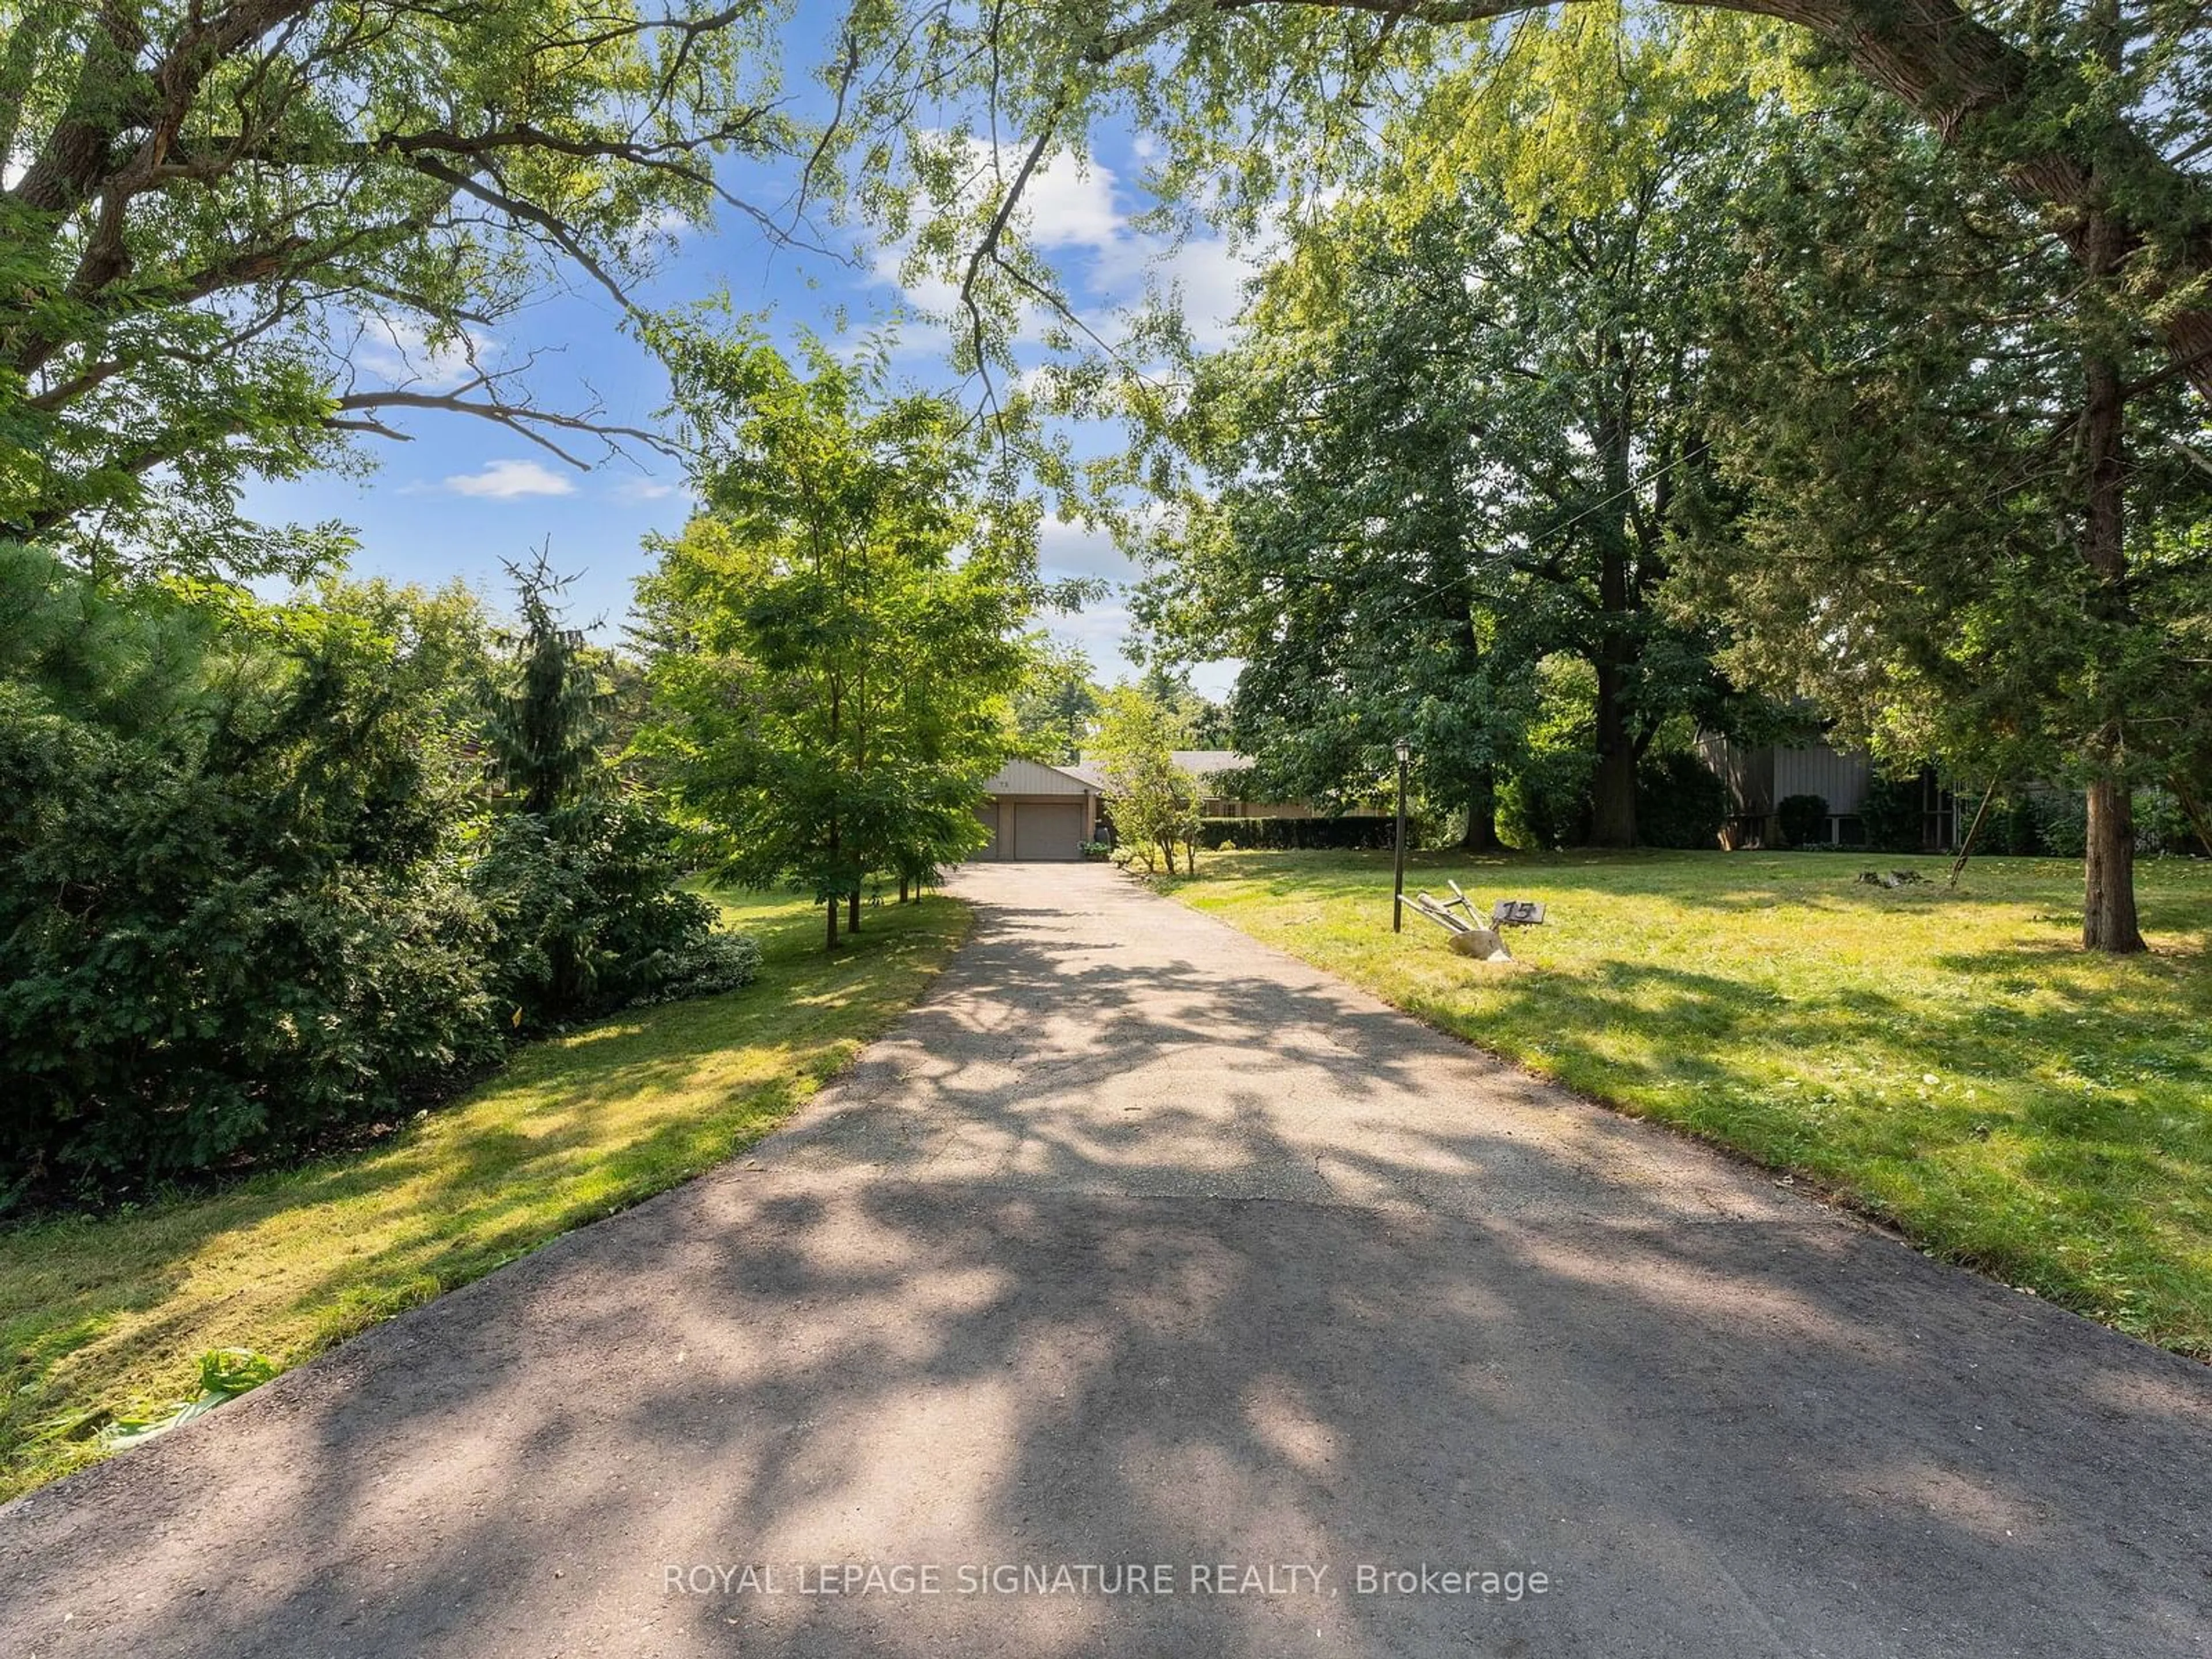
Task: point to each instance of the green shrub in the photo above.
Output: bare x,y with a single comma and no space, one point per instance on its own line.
1892,815
589,915
1280,834
1803,819
2012,828
232,918
248,900
1680,802
2061,823
1545,804
2161,826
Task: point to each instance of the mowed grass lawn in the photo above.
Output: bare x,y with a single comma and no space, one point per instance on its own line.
107,1316
1947,1060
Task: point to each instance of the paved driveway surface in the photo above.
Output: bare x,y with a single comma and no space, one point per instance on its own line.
1141,1246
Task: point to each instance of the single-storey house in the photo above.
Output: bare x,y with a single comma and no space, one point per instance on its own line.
1758,778
1039,812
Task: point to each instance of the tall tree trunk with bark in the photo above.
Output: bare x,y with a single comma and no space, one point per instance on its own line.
2108,922
1613,804
853,911
1481,835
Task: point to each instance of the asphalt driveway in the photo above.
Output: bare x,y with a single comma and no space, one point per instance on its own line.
1151,1293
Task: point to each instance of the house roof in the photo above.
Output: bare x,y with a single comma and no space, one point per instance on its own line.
1029,777
1198,763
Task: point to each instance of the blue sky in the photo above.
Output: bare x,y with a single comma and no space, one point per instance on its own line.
465,495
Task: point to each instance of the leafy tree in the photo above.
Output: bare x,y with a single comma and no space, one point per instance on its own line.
1152,801
2093,114
835,640
217,219
1056,703
1204,723
1977,542
1447,445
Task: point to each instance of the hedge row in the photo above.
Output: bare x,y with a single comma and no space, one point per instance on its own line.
1280,835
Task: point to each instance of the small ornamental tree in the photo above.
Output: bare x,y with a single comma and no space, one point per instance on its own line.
836,640
1152,801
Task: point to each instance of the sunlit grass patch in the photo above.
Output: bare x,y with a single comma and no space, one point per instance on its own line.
1944,1059
107,1318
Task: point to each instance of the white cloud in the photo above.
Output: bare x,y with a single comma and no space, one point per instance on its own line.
1068,549
1069,202
1073,210
507,481
1103,632
395,350
644,489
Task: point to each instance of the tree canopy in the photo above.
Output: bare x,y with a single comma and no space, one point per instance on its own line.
216,219
837,639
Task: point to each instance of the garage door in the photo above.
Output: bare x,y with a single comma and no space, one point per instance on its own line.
989,811
1048,830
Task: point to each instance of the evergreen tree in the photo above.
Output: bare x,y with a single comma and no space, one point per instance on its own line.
1975,543
582,873
548,723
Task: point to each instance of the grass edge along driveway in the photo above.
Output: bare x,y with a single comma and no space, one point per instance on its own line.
1945,1061
107,1316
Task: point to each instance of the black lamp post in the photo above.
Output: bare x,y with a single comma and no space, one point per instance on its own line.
1404,751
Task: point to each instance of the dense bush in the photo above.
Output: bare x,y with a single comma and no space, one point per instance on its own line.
1802,819
1892,814
1277,835
2162,825
2012,827
250,895
589,916
231,912
1680,802
1545,804
2061,823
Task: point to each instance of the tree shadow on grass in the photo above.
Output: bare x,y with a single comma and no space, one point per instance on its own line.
966,1314
98,1309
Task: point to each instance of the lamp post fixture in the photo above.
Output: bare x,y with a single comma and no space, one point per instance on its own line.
1404,751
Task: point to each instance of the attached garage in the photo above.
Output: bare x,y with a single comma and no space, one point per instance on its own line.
1036,812
1048,830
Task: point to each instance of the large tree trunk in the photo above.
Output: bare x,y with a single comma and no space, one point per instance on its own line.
853,911
1613,797
830,911
1481,835
1613,804
2108,909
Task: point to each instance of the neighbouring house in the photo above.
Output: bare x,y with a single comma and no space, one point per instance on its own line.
1215,780
1038,812
1757,777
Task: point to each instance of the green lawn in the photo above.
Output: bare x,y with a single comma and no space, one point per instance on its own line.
106,1317
1947,1060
